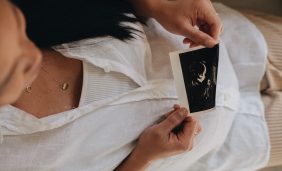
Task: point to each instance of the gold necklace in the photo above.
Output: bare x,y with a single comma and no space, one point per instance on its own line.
63,85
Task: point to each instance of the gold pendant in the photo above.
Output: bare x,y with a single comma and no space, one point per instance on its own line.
65,86
28,89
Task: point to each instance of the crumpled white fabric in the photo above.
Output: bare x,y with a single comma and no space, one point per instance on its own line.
98,136
246,147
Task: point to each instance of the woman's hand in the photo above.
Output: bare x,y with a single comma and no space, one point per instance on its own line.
160,140
181,17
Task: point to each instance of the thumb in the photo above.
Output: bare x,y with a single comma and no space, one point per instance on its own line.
173,120
198,36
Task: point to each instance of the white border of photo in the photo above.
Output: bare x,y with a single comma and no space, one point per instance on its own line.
178,77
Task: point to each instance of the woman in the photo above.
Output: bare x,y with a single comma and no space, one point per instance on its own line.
72,118
20,58
57,90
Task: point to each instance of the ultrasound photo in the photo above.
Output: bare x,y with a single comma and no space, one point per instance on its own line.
198,70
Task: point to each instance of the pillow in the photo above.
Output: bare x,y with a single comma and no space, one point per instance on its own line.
271,84
271,28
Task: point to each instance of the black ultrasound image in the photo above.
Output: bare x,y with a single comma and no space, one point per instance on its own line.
200,74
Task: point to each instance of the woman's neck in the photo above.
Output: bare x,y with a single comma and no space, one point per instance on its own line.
57,87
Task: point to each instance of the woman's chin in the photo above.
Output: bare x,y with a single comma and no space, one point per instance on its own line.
9,99
34,74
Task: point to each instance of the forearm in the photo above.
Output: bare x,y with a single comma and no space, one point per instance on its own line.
134,162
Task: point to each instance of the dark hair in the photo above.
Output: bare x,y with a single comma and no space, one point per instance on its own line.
52,22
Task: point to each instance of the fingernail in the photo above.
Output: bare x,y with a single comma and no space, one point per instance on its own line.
183,112
176,106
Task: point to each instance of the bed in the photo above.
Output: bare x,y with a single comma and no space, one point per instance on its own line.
267,16
271,85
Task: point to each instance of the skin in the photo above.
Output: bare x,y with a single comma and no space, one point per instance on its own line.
20,66
159,141
19,58
196,20
20,62
46,97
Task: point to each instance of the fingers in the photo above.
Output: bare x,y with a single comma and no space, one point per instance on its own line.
199,37
198,130
209,24
187,135
215,26
190,42
191,129
173,120
175,107
211,18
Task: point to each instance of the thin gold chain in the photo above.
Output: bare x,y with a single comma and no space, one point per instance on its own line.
63,85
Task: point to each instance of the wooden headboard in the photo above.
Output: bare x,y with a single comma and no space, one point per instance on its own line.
268,6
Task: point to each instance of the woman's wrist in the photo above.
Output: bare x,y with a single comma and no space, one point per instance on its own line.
136,161
141,156
139,160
